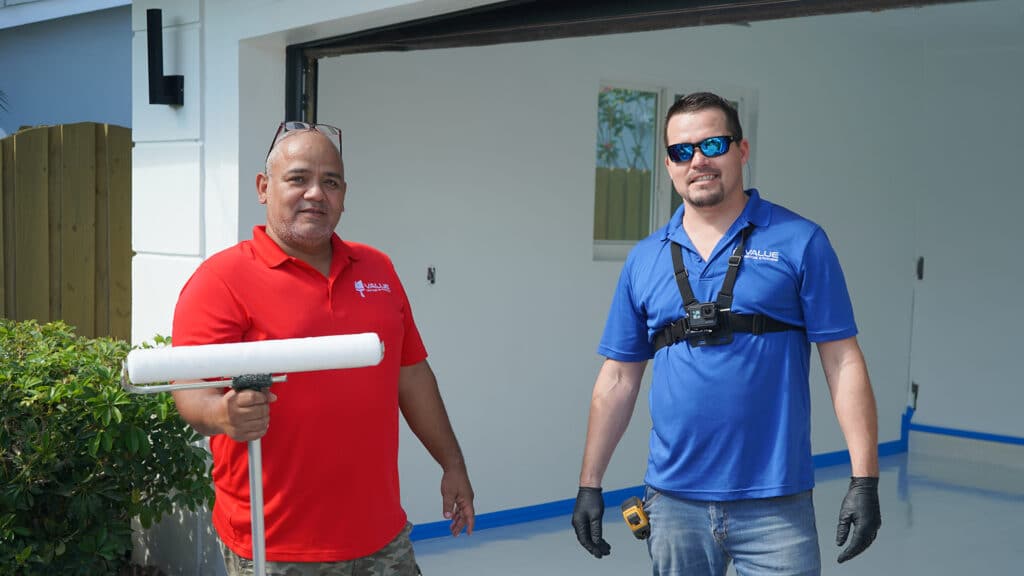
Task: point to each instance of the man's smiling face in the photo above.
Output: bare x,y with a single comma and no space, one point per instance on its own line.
304,192
702,181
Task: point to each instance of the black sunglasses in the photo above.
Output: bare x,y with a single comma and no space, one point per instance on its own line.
709,147
333,134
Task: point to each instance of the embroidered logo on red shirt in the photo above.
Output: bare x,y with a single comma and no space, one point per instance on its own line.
364,287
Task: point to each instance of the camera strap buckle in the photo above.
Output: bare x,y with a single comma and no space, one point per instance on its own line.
672,333
757,325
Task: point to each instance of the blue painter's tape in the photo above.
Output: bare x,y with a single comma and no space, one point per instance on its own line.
831,459
843,457
890,448
966,434
612,498
615,497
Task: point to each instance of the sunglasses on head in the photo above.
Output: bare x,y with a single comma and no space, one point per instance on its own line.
709,147
284,128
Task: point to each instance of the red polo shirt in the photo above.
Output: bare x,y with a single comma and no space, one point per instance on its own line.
330,456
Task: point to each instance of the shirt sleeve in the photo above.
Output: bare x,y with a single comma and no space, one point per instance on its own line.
413,350
827,309
625,331
207,312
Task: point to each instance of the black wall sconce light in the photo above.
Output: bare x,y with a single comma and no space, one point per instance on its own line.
168,90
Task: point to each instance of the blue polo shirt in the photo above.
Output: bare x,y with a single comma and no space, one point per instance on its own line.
733,421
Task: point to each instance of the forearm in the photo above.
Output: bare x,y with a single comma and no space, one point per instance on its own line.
611,407
855,409
202,409
421,404
854,403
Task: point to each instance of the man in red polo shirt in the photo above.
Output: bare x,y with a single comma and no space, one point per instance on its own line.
330,461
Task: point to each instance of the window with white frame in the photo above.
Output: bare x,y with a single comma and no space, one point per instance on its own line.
632,192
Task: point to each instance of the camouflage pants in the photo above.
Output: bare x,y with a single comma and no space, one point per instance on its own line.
395,559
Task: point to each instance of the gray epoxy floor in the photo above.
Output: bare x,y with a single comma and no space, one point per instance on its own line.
942,515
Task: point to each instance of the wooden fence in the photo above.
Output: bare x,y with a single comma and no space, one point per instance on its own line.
65,227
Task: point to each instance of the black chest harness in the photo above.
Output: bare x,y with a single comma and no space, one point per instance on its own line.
713,323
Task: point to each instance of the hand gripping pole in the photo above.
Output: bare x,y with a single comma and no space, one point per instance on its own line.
246,365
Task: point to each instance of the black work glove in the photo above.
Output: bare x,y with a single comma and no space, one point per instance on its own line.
586,519
860,508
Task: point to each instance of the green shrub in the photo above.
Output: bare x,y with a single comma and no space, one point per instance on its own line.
80,457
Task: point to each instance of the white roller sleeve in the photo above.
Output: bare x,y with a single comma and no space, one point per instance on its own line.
263,357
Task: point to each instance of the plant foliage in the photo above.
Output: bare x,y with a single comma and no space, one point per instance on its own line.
625,123
80,457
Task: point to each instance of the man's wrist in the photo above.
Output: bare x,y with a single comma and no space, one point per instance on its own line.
590,479
457,464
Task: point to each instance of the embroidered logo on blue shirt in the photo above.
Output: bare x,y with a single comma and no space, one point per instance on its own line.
765,255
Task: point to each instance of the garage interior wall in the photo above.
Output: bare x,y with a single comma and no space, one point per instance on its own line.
882,127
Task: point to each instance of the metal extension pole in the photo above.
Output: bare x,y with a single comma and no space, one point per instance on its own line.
259,549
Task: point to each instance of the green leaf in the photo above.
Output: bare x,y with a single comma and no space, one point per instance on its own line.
146,518
23,555
133,442
144,442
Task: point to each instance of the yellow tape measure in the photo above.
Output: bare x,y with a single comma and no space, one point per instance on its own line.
636,518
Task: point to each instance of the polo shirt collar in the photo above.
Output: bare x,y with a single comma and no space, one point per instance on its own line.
273,256
757,212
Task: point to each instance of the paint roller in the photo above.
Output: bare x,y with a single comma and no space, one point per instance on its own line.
246,365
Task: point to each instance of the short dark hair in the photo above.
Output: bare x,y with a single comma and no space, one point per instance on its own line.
702,101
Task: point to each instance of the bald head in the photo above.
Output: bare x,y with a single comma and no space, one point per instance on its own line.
279,144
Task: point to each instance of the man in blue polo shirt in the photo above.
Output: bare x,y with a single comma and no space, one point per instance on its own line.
726,298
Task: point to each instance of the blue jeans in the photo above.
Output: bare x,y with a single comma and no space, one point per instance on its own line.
762,536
